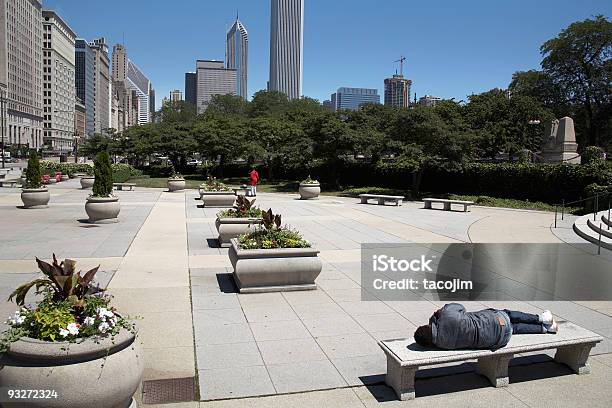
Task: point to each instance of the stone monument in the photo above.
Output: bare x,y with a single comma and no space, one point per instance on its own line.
559,144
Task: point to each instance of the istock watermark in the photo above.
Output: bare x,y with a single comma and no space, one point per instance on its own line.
484,272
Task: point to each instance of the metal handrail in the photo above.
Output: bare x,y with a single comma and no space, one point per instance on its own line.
596,207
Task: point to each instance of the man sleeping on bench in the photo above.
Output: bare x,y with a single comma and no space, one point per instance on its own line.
453,328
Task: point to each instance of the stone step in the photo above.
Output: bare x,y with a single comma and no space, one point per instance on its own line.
606,220
595,226
585,228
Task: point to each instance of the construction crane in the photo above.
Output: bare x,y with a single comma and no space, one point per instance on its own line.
401,61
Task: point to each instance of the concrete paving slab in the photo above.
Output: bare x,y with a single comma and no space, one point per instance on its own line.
305,376
234,382
279,330
234,355
290,351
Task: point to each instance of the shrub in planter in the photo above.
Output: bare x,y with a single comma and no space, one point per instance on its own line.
214,193
34,193
72,333
102,205
238,220
274,258
309,188
176,182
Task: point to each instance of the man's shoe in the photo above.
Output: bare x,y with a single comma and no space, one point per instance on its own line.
553,327
547,317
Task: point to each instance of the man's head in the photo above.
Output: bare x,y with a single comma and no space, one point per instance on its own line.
422,336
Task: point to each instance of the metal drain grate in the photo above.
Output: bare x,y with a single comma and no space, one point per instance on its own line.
167,391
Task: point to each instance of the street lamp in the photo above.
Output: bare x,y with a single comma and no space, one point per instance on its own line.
3,89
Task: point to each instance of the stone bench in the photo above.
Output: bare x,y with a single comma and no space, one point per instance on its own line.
447,203
9,183
382,199
120,186
405,357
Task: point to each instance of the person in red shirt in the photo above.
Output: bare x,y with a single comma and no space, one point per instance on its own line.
254,176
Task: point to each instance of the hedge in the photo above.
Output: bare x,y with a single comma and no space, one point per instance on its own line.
121,172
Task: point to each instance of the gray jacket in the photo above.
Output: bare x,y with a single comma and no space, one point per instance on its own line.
454,328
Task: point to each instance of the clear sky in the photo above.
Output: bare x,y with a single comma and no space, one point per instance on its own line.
453,48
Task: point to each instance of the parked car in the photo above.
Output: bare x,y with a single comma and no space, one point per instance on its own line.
194,162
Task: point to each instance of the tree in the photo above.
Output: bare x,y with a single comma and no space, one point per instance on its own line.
579,62
94,144
33,175
103,173
267,103
220,105
178,111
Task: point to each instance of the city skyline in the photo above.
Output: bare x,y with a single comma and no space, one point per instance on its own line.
452,57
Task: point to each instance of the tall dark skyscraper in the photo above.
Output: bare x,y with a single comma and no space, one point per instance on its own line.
84,75
191,88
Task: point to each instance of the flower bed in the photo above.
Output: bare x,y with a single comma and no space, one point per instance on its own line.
238,220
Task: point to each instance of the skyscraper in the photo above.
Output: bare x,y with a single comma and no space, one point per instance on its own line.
213,79
353,98
236,55
286,47
84,81
429,100
102,85
191,88
21,73
125,71
176,96
397,91
58,82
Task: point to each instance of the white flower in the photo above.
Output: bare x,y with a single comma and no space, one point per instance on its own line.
89,321
103,327
64,332
73,328
16,319
103,313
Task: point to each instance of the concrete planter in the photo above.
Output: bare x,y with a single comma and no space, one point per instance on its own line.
35,197
102,209
65,177
274,270
229,228
221,199
87,182
95,372
308,191
175,184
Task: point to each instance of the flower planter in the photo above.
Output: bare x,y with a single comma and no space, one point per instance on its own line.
35,197
229,228
308,191
221,199
87,182
102,209
175,184
65,177
274,270
97,372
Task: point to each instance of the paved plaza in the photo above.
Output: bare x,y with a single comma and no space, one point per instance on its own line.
314,348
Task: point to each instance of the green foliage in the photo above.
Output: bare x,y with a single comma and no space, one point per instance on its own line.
511,203
309,180
50,168
243,208
123,172
593,155
33,175
272,235
103,173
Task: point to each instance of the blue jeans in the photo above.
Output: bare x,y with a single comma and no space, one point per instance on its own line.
525,323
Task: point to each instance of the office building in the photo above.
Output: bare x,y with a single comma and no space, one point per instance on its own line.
151,100
21,73
353,98
286,47
124,70
327,104
213,79
236,55
125,107
191,88
429,100
397,91
102,85
85,66
176,96
59,92
80,119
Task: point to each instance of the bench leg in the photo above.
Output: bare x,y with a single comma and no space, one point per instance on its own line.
364,200
401,379
427,205
495,368
381,201
398,203
575,357
447,206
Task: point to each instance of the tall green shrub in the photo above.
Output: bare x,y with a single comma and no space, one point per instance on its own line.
103,172
33,176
